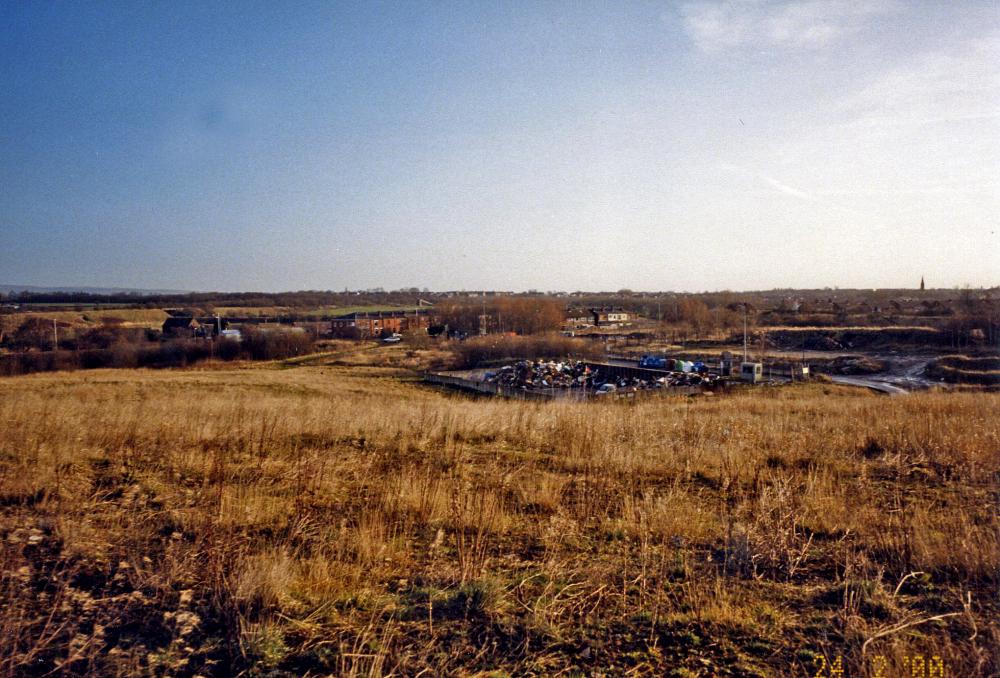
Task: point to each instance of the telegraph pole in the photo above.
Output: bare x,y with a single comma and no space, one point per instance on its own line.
744,331
55,335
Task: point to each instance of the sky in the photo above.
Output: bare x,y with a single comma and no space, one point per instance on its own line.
500,145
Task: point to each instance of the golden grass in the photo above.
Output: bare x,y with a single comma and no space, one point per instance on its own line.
332,519
131,317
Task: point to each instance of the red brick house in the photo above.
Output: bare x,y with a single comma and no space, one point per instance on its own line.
371,324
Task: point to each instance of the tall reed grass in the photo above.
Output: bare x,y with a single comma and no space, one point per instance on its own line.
329,520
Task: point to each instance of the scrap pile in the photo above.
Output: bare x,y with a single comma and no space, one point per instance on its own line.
544,375
672,365
530,374
666,381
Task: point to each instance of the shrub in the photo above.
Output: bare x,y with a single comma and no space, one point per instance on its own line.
275,344
481,350
227,349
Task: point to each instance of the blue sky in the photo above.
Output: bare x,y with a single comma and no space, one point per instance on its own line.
549,145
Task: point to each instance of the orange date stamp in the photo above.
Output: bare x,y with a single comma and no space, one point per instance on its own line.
914,666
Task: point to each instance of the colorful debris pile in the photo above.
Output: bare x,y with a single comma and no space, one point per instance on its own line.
668,380
544,375
531,374
672,365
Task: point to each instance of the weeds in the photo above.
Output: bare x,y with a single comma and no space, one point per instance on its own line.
332,520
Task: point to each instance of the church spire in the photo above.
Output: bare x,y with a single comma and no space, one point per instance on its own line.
921,283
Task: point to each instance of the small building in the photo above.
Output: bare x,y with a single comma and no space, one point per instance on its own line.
178,326
751,372
210,326
727,365
610,315
578,317
372,324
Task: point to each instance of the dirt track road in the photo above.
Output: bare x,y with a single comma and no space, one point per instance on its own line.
870,382
903,373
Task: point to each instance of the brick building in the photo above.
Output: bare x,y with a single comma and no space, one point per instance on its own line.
371,324
610,315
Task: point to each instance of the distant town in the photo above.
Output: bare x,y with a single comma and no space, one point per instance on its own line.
893,338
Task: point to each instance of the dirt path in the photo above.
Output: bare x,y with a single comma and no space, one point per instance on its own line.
872,383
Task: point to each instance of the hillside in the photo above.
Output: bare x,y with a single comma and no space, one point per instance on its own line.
324,519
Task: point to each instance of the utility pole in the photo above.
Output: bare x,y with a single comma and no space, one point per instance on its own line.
744,331
55,335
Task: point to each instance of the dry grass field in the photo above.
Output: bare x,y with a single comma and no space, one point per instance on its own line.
130,317
340,519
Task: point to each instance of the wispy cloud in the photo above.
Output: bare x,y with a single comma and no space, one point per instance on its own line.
926,127
792,191
800,24
786,189
770,181
937,87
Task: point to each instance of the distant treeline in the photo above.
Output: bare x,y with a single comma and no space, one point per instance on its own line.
303,299
650,304
125,353
489,350
971,315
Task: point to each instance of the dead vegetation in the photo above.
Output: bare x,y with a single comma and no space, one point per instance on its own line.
494,349
321,520
83,319
961,369
850,364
